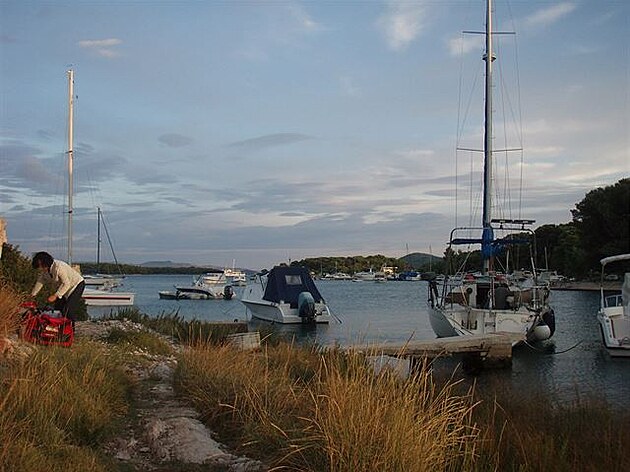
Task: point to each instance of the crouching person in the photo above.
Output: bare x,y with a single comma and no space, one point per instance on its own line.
69,284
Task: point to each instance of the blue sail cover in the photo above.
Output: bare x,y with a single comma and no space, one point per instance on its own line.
487,239
490,246
286,283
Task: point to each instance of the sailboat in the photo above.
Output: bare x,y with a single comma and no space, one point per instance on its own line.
100,289
99,280
103,296
491,301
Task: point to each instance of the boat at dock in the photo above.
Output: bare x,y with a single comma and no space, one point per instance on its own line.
614,312
491,300
286,295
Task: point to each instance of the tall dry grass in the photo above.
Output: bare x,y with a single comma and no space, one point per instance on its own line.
534,432
57,405
312,410
10,301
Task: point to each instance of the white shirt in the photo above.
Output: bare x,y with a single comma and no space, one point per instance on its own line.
62,275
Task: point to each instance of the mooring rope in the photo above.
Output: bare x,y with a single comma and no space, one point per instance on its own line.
553,353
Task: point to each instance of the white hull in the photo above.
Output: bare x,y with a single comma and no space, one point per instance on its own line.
283,313
104,298
614,313
278,312
615,330
461,321
200,292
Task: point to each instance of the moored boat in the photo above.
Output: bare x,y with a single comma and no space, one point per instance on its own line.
489,301
286,295
201,289
105,297
614,312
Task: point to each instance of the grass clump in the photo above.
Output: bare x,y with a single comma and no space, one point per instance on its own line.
190,332
144,341
534,432
9,308
302,408
56,407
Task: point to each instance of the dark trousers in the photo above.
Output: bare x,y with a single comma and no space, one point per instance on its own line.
69,305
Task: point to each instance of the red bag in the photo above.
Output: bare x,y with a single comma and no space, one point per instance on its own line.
45,326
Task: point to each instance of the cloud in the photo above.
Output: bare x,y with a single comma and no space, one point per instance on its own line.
22,169
402,23
102,47
303,19
550,15
269,140
465,43
175,140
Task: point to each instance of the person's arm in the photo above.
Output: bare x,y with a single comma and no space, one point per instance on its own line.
38,286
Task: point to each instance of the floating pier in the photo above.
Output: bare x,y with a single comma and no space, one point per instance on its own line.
479,351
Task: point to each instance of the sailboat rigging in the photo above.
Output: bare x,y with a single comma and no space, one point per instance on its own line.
90,296
489,301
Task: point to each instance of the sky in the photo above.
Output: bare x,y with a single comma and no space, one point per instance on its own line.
259,132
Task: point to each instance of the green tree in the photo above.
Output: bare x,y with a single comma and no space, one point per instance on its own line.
602,220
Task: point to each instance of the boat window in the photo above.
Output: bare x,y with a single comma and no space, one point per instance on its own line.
293,279
613,300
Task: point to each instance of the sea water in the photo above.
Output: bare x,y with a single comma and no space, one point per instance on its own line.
572,365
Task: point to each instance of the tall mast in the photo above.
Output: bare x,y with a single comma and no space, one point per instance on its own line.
487,145
98,239
70,158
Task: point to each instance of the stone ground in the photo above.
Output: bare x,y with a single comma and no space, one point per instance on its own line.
161,433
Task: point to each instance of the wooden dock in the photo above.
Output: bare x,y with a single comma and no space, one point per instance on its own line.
478,351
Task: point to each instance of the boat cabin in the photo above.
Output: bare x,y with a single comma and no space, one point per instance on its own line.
285,283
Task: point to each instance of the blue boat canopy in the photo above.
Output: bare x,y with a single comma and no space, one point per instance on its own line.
285,283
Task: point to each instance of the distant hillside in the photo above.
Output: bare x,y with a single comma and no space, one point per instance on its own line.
420,260
166,264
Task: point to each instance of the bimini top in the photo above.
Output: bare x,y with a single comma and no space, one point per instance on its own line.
286,283
620,257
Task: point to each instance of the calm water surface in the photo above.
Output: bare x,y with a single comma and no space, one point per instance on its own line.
572,364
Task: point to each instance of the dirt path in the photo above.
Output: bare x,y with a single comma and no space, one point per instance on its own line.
161,433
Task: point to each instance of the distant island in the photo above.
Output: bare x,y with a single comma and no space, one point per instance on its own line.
350,264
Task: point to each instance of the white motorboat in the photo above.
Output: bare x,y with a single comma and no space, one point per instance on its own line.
101,280
490,302
214,278
201,290
614,313
286,295
235,277
364,275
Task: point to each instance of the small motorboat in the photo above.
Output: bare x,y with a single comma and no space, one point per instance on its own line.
286,295
199,290
614,312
